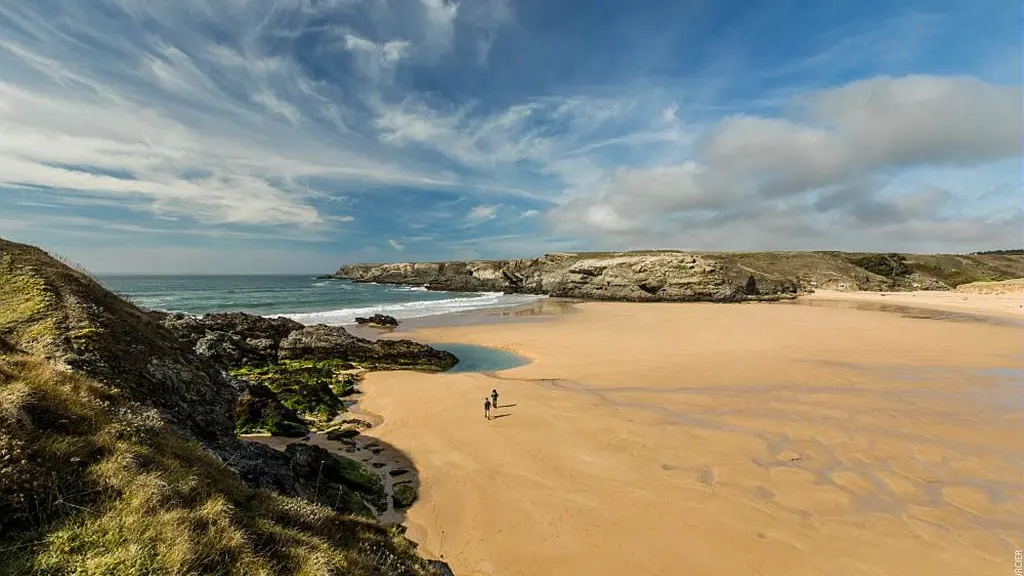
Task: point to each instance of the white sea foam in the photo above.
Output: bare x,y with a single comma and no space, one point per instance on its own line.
417,309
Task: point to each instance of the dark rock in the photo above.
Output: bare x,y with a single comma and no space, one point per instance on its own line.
342,433
330,473
259,336
323,342
442,568
397,472
6,347
403,496
378,320
750,288
259,409
357,423
225,349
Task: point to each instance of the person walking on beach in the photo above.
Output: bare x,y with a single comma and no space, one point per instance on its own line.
494,398
487,408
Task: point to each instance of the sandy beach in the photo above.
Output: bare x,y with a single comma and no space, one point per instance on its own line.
719,439
1004,305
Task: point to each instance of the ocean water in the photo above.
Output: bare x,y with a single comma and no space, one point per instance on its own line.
304,298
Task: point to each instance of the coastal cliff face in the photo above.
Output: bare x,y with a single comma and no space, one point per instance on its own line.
667,276
118,446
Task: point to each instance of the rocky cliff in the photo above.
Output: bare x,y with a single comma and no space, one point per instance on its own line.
118,449
671,276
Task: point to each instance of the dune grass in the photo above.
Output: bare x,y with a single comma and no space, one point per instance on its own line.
91,484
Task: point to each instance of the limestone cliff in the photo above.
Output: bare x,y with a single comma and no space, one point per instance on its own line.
669,276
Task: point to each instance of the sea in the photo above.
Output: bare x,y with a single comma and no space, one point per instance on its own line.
306,299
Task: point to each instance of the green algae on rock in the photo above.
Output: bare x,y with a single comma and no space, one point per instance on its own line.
403,495
311,388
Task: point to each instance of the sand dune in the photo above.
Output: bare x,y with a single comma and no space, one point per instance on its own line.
1015,286
673,439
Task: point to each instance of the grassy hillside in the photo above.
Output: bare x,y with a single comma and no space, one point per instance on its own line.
91,484
118,453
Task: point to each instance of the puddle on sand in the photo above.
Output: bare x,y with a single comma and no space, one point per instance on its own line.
473,358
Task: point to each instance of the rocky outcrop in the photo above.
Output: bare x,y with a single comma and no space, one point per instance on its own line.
381,320
233,338
337,478
305,369
626,277
260,409
672,276
238,339
334,342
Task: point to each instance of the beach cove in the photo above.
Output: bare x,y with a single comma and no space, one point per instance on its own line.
720,439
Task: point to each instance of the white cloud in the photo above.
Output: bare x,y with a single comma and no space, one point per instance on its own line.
217,131
439,24
377,61
529,213
398,246
831,161
482,213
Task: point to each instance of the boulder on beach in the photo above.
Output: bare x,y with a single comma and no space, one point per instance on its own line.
403,496
378,320
342,433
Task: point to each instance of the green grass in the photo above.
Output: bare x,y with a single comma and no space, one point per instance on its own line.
26,305
93,485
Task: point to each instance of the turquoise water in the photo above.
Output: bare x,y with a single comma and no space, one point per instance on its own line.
473,358
304,298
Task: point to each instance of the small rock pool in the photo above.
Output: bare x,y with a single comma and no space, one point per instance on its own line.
473,358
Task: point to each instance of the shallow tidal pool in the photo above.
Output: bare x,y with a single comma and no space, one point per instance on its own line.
473,358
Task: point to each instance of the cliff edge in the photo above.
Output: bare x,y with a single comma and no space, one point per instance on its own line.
118,452
673,276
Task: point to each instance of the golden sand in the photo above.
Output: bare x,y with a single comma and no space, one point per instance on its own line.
678,439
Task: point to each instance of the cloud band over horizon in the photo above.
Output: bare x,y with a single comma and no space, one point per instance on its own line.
175,136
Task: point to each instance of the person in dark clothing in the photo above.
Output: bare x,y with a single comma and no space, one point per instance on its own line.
494,398
487,408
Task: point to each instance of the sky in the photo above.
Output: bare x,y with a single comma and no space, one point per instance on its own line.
292,136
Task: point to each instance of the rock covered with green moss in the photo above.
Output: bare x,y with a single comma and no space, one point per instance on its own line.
312,389
260,409
333,474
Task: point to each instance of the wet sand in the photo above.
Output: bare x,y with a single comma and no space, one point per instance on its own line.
711,439
1003,305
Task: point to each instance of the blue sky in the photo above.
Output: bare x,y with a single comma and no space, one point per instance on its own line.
295,135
